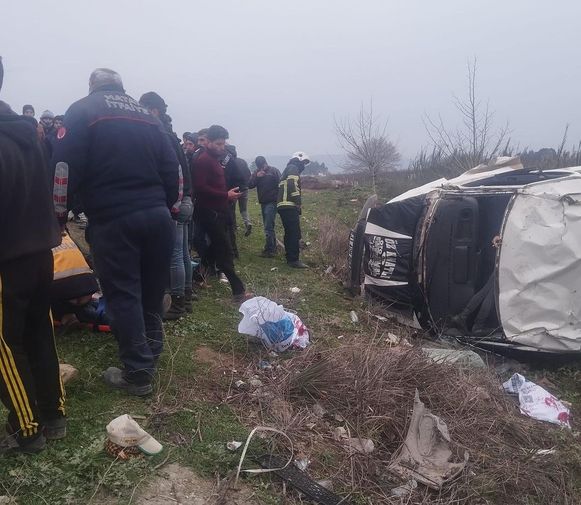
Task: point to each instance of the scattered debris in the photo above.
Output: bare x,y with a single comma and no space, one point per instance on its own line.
233,445
326,483
302,463
265,365
68,374
276,328
405,489
362,445
460,357
425,454
354,200
318,410
240,383
537,402
329,269
354,318
392,339
340,433
295,290
255,383
383,319
301,481
274,269
340,337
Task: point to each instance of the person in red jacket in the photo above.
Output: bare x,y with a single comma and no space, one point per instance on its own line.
212,212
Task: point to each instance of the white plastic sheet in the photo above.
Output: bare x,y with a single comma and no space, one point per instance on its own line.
537,402
276,328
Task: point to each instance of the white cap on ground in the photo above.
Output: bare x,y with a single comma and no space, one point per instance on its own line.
125,431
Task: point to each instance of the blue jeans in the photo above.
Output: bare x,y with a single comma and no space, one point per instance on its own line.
269,218
181,264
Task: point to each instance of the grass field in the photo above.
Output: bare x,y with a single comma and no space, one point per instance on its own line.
70,471
188,413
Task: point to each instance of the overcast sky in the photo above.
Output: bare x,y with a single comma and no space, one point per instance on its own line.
276,72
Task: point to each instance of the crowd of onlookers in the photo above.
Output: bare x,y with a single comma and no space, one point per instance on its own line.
151,202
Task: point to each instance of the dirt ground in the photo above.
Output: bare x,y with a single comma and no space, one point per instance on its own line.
179,485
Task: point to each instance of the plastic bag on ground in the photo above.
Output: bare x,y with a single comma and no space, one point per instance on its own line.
276,328
537,402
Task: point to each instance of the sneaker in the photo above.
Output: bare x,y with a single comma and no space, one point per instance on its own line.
55,429
9,444
177,308
297,264
114,378
248,230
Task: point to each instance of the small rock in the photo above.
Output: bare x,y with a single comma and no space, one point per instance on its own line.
255,383
264,365
405,489
274,269
318,410
340,433
68,373
295,290
233,445
362,445
353,316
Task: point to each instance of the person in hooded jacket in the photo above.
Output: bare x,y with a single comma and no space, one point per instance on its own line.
265,179
181,291
289,207
30,386
237,175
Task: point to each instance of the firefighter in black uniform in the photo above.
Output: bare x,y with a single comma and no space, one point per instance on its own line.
112,152
30,385
289,207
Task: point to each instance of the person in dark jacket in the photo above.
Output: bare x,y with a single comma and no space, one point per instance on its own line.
181,264
265,179
30,386
48,129
113,153
28,110
237,175
289,207
212,212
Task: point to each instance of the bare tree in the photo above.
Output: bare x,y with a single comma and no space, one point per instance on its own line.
366,144
477,140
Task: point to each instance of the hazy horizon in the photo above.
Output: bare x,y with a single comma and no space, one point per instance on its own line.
276,74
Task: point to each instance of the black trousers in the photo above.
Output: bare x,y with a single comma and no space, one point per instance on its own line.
216,226
291,222
232,228
132,257
30,384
